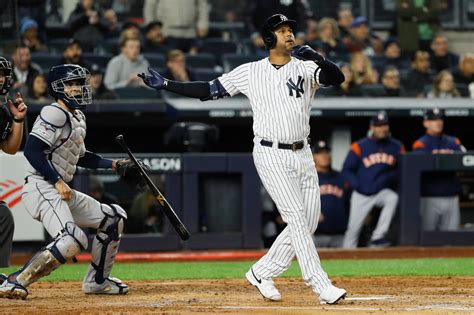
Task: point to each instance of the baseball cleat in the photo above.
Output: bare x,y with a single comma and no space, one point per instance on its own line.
13,290
332,295
109,286
266,287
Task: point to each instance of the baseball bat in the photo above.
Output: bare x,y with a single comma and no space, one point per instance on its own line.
175,221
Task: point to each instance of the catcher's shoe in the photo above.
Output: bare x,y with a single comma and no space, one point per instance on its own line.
332,295
13,290
266,287
109,286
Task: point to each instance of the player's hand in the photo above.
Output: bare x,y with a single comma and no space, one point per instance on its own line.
307,53
18,108
63,189
153,79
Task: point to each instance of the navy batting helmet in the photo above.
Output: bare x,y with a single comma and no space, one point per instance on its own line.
268,35
6,69
57,78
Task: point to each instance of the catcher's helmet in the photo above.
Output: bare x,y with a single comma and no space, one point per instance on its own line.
57,78
268,35
6,68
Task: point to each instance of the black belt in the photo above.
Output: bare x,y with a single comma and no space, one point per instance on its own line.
298,145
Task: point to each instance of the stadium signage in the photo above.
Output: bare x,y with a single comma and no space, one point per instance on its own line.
468,160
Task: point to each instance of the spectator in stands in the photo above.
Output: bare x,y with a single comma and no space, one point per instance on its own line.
132,30
23,69
464,72
439,204
391,83
29,35
97,191
87,24
361,39
370,167
362,70
99,91
183,22
347,88
72,53
344,20
443,86
114,27
154,39
122,70
335,192
440,57
329,42
33,9
176,67
416,23
311,29
419,76
38,88
392,55
145,216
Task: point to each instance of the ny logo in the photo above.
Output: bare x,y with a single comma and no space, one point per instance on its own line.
298,87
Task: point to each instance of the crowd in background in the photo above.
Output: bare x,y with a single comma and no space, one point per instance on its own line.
118,39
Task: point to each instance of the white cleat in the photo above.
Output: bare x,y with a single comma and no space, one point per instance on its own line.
332,295
13,290
266,287
109,286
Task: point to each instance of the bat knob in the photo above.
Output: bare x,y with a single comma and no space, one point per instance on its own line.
119,138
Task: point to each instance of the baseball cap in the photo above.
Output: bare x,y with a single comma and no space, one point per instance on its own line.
389,41
320,146
380,119
358,21
27,23
71,42
433,114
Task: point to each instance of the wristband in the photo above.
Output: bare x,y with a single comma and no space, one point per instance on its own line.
18,120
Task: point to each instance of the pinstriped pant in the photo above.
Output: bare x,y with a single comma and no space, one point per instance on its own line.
291,180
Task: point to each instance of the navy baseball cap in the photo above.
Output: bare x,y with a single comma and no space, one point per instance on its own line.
358,21
320,146
433,114
379,120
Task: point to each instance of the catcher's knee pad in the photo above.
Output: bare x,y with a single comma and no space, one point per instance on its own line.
63,248
106,242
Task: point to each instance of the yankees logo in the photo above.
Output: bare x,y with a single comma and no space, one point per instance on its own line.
298,87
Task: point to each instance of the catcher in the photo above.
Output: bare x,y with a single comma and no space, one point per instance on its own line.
54,149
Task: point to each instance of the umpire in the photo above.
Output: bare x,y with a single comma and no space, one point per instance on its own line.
12,115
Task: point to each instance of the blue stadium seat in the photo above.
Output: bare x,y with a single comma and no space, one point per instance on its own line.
218,46
100,60
57,45
203,74
46,60
231,61
201,60
136,93
155,60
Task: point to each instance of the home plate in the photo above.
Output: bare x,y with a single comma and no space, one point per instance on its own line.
368,298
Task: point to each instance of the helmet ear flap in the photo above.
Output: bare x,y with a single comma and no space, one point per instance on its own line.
269,38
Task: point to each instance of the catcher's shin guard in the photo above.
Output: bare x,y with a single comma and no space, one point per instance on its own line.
106,243
63,248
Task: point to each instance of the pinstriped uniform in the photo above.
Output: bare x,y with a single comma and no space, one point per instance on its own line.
281,104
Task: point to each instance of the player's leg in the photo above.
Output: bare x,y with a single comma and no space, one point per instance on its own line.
44,203
108,220
429,215
450,217
7,227
360,208
388,200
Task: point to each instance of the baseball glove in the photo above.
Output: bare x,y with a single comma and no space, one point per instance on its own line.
130,173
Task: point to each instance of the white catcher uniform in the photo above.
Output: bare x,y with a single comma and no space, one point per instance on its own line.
281,103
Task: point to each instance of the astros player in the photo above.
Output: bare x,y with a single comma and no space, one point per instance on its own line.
53,150
11,133
280,89
440,201
370,167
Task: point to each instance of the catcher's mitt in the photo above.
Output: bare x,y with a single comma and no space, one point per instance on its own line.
130,174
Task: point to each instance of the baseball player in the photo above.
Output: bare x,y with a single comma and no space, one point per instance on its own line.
54,149
11,132
440,201
335,191
370,167
280,89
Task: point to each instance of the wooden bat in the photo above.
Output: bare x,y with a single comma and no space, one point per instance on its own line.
175,221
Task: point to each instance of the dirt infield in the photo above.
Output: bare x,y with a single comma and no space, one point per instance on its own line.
391,295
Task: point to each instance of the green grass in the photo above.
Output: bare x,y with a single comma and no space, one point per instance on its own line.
218,270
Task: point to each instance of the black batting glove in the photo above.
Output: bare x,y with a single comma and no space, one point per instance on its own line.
307,53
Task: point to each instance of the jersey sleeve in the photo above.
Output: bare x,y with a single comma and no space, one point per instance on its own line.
236,81
312,71
49,124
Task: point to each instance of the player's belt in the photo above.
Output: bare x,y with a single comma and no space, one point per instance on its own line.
295,146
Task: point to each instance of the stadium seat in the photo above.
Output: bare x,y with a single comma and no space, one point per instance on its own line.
204,74
100,60
202,60
155,60
231,61
57,45
218,46
136,93
46,60
372,90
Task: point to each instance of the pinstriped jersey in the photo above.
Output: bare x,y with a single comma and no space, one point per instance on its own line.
280,98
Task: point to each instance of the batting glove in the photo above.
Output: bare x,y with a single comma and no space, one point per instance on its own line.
307,53
154,79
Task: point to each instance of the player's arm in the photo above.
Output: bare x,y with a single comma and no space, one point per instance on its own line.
35,154
11,145
95,161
